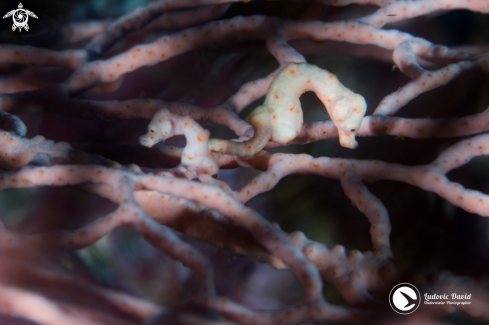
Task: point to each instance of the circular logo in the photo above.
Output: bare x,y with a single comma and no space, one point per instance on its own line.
404,298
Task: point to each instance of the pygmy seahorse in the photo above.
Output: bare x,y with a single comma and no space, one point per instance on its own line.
280,118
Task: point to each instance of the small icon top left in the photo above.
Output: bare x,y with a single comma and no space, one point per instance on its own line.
20,17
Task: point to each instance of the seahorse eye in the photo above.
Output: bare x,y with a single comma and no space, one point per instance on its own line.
151,130
353,130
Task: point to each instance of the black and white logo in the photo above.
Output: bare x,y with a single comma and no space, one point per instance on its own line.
20,17
404,298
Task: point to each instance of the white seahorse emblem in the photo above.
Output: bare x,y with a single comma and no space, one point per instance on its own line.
20,17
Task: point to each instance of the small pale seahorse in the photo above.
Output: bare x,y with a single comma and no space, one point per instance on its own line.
280,118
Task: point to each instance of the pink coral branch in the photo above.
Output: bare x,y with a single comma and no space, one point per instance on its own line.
41,57
393,11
